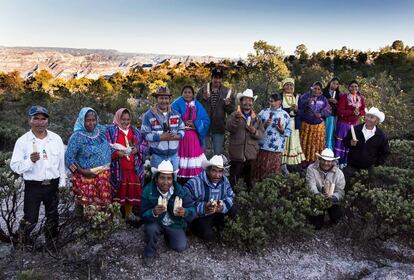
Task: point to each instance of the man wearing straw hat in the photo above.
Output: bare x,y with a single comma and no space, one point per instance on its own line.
217,101
212,196
163,128
323,177
246,129
367,143
166,208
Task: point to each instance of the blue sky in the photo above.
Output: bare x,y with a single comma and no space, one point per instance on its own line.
210,27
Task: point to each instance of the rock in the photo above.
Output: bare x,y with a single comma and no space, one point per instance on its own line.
395,272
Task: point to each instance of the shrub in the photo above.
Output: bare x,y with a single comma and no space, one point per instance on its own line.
277,207
379,204
402,154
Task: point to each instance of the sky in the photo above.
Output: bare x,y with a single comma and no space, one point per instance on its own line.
210,27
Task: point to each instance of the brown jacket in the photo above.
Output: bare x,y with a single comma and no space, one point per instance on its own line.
218,115
243,145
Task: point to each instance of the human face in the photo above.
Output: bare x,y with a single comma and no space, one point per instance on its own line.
215,174
325,165
38,123
188,95
353,88
288,88
125,120
371,121
163,102
217,82
274,104
164,182
316,90
90,121
334,85
246,104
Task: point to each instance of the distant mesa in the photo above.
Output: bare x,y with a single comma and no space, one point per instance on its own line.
68,63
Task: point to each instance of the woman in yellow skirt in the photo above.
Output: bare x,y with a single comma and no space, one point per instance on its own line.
292,154
313,108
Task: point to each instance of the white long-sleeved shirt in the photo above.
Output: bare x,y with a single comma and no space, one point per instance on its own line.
51,164
368,133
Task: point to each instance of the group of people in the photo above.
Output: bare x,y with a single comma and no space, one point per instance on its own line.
313,130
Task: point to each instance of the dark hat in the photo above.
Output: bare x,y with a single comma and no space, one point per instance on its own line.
38,110
217,72
162,91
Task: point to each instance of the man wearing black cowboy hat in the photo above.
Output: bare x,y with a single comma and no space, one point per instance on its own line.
218,102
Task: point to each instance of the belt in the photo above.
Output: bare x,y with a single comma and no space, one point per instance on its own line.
44,182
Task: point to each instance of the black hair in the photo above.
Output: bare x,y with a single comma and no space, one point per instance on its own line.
317,83
188,87
275,96
328,85
353,82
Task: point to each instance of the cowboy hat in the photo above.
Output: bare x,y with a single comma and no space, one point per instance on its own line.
217,161
247,93
376,112
327,154
164,167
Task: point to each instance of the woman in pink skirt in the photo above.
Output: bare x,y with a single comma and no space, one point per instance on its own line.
190,150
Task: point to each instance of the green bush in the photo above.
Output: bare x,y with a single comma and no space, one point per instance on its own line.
402,154
277,207
380,204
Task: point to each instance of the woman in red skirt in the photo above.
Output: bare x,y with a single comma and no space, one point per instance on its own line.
126,165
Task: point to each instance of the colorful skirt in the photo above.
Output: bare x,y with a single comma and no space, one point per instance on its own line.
342,130
92,191
312,139
293,154
267,164
329,131
191,155
129,190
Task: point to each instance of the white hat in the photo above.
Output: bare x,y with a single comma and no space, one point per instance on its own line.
327,154
165,167
376,112
217,161
247,93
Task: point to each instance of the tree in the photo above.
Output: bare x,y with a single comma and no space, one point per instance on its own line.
398,45
302,52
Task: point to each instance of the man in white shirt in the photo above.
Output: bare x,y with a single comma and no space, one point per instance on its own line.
38,156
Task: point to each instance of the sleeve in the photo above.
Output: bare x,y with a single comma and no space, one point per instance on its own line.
362,108
193,187
62,169
326,111
72,151
259,130
311,180
232,124
339,191
149,135
181,128
228,199
202,123
188,205
288,129
147,207
19,163
341,109
383,152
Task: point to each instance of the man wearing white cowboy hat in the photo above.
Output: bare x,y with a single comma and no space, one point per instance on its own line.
166,207
323,177
246,129
212,196
163,128
218,102
370,146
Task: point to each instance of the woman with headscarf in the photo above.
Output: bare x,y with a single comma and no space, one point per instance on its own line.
190,149
351,107
292,154
88,157
313,108
331,92
127,162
